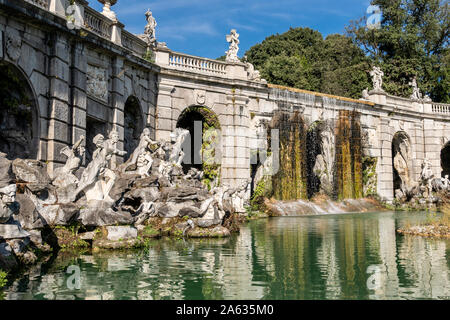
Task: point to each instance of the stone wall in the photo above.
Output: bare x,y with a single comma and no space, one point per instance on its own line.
81,80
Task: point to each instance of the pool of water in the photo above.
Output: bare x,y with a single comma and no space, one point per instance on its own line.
346,256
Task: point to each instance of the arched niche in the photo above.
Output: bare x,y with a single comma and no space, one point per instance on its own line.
401,161
19,115
133,125
445,159
210,133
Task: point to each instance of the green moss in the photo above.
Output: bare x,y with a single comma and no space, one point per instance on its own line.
3,278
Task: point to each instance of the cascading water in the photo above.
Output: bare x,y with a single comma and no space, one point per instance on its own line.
325,159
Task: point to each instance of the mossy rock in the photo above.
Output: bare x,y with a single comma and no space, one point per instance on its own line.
216,232
117,245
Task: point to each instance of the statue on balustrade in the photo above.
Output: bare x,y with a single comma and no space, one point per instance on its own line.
377,78
416,95
233,40
150,28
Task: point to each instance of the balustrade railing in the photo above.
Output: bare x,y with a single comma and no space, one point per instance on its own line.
190,63
134,43
95,22
44,4
440,108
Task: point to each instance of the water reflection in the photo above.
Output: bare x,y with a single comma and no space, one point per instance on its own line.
356,256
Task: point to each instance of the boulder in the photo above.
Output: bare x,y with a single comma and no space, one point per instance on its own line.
12,231
121,233
217,232
7,259
28,216
182,194
33,173
101,215
6,174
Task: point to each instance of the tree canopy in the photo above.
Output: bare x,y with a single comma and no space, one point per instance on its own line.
302,58
411,41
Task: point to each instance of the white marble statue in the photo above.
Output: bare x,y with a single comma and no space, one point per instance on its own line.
401,160
144,164
7,201
98,179
107,12
426,176
145,143
377,78
232,53
150,28
65,176
252,74
240,196
177,139
416,95
323,167
446,183
365,94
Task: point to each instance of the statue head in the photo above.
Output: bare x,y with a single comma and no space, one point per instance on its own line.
114,136
99,140
8,194
446,177
146,132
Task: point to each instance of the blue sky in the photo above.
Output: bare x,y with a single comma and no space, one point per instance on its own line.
198,27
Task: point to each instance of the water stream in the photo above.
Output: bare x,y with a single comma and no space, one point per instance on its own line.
345,256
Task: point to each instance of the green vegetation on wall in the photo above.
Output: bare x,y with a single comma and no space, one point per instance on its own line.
349,175
290,182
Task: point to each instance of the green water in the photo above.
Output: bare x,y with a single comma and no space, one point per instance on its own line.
352,256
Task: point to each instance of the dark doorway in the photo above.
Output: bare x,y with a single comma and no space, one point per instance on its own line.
133,126
19,137
445,160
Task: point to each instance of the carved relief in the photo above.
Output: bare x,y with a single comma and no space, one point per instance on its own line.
97,83
200,96
13,42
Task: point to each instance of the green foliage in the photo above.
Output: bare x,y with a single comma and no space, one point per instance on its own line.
3,279
412,41
301,58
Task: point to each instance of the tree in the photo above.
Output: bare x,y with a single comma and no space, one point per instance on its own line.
301,58
412,41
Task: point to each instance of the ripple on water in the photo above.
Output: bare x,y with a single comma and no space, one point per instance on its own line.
349,256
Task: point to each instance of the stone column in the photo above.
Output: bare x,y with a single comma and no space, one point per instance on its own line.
164,112
236,142
78,91
118,103
385,166
432,144
59,120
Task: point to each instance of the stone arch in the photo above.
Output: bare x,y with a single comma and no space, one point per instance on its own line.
401,162
134,124
445,159
19,114
209,120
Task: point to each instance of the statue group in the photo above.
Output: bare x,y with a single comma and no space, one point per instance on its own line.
151,183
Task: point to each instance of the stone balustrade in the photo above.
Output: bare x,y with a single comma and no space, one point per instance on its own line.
97,23
186,62
44,4
134,43
441,108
